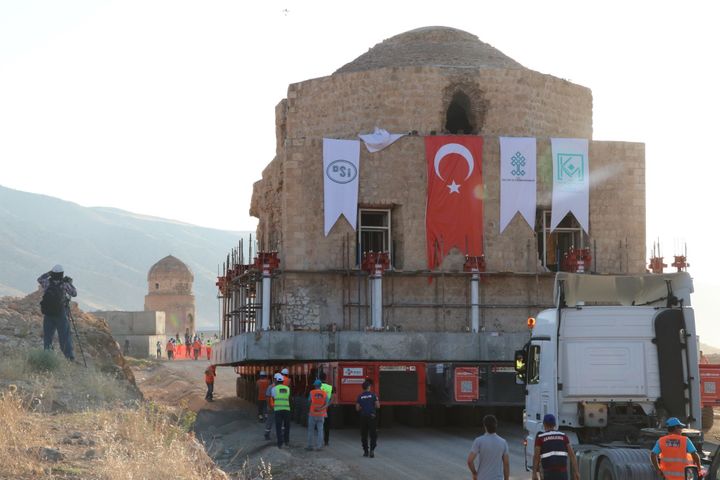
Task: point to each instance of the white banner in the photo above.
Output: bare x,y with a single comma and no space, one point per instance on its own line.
518,179
571,181
341,171
379,139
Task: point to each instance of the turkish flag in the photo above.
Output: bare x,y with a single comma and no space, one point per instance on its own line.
454,212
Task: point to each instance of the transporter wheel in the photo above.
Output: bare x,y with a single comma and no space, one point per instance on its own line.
708,417
606,470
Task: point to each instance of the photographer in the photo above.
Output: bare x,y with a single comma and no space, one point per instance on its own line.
57,290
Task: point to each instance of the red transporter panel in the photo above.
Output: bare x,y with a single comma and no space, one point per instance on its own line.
710,384
466,384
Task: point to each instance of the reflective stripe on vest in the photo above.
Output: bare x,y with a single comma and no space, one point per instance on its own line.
318,401
282,397
673,455
551,454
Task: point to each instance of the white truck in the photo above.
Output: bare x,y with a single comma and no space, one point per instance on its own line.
615,358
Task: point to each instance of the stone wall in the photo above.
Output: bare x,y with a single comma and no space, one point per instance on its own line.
134,323
179,311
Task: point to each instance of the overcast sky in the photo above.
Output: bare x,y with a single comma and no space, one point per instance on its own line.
166,108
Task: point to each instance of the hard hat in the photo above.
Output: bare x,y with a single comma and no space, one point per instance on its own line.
278,377
317,382
674,422
262,373
57,269
285,371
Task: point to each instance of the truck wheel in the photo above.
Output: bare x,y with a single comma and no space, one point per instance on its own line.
606,471
708,417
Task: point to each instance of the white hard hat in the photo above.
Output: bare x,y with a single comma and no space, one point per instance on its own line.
57,269
262,373
285,371
279,377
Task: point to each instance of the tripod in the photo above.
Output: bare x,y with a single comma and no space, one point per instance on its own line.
72,320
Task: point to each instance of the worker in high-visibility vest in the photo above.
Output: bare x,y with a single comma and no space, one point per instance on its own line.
261,385
270,418
327,388
316,416
210,382
286,377
675,451
281,398
170,348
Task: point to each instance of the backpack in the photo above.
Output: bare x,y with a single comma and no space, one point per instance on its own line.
53,300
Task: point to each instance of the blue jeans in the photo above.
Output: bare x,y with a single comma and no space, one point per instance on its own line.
62,325
315,432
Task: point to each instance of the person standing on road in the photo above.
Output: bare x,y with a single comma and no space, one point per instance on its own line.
270,417
170,347
262,385
327,388
57,291
210,382
316,416
196,348
367,405
158,350
552,448
281,398
491,452
674,449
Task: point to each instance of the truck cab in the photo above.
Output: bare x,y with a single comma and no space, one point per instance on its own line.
615,358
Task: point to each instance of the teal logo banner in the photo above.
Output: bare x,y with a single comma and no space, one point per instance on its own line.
570,167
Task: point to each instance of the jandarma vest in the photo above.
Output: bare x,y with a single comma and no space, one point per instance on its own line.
673,455
553,451
318,399
282,397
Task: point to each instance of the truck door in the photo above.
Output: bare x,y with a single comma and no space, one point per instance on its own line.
540,387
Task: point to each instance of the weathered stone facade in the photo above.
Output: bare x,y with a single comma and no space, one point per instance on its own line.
170,284
407,84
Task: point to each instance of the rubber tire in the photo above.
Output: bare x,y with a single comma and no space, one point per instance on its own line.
605,470
708,417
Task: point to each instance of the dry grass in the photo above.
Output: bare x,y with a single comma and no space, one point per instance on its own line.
20,433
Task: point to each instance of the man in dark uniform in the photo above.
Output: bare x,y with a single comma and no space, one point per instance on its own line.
552,448
367,405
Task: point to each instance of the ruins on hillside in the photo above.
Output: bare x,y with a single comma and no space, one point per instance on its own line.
425,83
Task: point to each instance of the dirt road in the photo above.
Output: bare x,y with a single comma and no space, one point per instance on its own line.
232,436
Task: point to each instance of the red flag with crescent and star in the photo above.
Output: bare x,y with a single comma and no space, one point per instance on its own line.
454,212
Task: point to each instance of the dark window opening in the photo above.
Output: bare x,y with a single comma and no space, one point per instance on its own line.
157,286
374,232
457,118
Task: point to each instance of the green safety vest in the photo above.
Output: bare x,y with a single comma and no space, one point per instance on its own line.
282,397
327,389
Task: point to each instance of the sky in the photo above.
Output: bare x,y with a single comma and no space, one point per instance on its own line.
166,108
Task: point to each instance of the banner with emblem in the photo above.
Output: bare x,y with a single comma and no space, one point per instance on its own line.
518,179
454,211
571,181
341,169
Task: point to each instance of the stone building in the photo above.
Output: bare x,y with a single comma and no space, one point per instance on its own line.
431,81
141,330
170,284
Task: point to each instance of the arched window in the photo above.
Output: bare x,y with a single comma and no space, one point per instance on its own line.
157,286
457,118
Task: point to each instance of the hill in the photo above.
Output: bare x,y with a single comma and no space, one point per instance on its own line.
108,252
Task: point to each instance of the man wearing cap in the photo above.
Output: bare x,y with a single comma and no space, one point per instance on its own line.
676,452
317,412
281,401
57,291
552,449
367,405
261,385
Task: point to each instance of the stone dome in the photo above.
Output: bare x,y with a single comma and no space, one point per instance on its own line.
431,46
170,266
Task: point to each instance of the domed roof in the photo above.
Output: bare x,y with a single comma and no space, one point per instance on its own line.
170,266
431,46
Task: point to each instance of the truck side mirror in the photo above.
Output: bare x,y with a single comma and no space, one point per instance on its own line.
520,366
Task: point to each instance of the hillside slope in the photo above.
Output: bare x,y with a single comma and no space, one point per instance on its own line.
108,252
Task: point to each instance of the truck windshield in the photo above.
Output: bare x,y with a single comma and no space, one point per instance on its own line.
533,364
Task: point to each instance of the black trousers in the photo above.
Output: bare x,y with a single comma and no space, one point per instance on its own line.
368,425
326,425
209,394
282,421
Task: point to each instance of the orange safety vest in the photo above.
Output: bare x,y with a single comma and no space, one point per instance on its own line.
673,455
262,385
210,374
170,347
318,403
196,345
